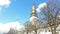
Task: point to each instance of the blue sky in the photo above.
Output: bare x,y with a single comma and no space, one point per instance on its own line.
18,10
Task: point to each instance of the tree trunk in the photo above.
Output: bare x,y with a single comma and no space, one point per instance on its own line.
55,30
35,31
52,30
26,32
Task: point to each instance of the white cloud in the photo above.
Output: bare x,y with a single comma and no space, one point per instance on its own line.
5,2
52,4
41,6
6,27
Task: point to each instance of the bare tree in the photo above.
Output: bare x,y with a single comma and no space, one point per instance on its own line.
27,27
34,26
12,31
51,11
